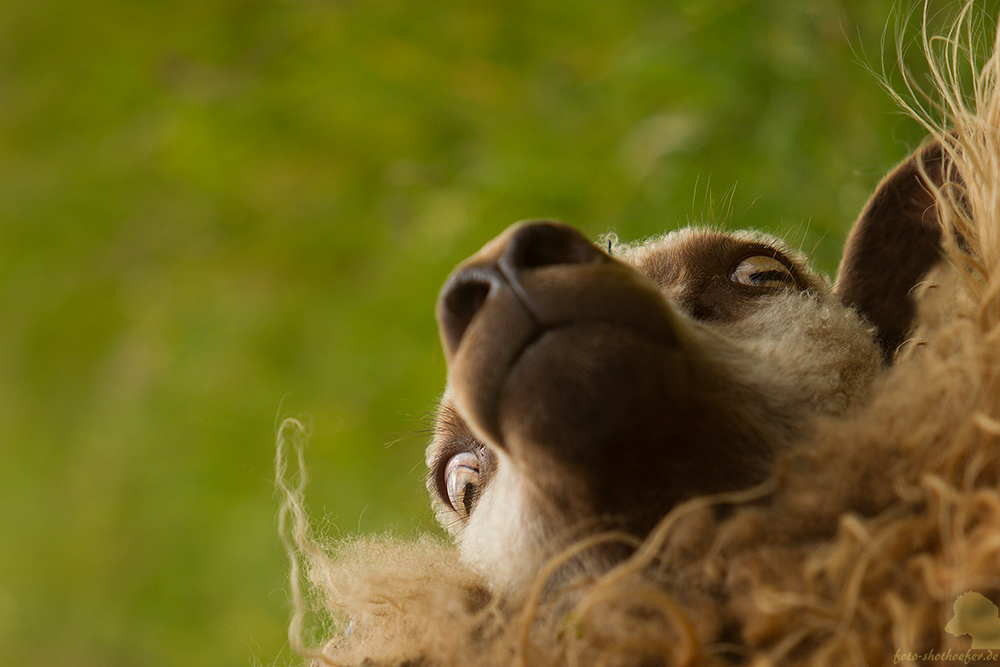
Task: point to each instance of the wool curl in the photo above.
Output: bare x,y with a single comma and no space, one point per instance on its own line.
853,552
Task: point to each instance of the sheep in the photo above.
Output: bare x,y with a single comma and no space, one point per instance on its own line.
845,534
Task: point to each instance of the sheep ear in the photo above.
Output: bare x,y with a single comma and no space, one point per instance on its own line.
892,246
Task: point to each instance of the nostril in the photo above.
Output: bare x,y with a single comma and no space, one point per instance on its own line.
529,246
460,301
549,244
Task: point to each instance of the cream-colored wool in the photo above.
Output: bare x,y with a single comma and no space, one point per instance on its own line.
854,552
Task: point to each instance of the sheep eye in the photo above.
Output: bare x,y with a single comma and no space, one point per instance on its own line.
462,481
762,271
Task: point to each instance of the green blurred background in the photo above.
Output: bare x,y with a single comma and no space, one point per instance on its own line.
217,213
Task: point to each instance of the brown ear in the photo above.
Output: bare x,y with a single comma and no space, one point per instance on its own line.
892,246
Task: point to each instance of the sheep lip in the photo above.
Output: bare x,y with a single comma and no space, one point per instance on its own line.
571,386
486,409
658,338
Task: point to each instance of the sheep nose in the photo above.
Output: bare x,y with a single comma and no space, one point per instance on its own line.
461,299
539,244
528,247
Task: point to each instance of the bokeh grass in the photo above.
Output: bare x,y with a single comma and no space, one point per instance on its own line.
217,213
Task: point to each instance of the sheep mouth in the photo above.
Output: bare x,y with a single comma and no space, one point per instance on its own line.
558,339
602,419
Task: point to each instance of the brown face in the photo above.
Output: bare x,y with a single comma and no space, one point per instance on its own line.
588,389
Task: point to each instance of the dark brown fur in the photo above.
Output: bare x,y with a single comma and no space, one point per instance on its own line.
897,240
